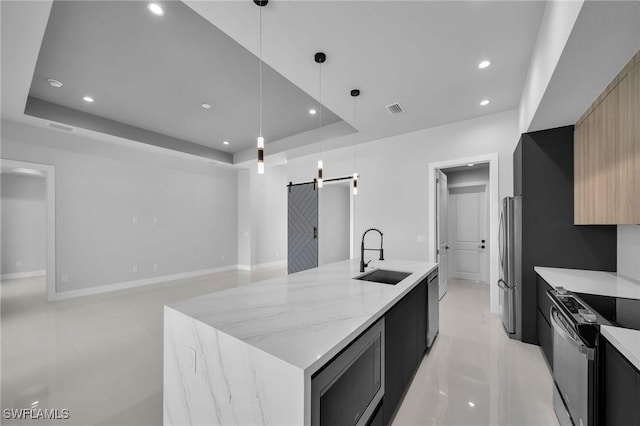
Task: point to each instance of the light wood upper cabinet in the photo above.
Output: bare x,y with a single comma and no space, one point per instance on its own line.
607,154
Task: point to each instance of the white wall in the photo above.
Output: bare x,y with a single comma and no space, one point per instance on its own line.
262,217
555,28
23,223
333,223
270,215
392,190
629,251
186,210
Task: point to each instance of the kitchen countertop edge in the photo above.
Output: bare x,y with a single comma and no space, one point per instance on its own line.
625,340
419,270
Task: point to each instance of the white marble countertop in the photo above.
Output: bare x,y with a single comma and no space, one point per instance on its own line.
591,282
305,318
627,341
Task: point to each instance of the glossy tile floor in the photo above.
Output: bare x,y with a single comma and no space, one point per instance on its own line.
100,357
474,374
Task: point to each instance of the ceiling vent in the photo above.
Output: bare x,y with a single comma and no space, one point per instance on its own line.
395,108
60,127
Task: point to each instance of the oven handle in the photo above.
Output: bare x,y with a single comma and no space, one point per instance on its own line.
589,353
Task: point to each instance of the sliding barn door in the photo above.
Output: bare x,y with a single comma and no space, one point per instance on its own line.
303,228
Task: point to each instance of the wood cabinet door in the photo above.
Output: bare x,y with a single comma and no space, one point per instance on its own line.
607,154
628,148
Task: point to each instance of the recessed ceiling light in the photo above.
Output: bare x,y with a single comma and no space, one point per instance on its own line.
88,99
470,164
206,106
484,102
156,9
484,64
312,111
226,142
471,404
54,83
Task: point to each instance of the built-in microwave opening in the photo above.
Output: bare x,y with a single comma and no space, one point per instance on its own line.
349,388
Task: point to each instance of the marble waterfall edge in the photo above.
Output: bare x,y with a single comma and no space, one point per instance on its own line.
211,378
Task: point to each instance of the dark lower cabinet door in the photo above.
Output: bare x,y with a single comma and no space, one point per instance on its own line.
378,416
545,338
394,337
637,403
620,400
405,342
410,353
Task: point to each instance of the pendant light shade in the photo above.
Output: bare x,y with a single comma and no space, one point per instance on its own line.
355,184
261,4
355,93
260,155
319,174
320,58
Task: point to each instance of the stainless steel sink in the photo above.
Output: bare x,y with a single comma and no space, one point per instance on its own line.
384,276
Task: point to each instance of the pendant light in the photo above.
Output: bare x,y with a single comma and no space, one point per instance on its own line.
320,58
261,4
355,93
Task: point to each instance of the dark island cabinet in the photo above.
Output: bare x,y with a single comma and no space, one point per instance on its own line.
620,390
405,343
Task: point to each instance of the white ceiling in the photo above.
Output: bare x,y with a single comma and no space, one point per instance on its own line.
153,73
421,54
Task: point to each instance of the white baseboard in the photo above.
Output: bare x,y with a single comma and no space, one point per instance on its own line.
138,283
262,265
17,275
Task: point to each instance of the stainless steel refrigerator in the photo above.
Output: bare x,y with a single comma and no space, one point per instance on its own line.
510,250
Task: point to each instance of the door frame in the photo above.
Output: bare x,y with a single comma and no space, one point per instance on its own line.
494,206
50,185
477,184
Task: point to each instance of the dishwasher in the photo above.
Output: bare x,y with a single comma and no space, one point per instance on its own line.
433,307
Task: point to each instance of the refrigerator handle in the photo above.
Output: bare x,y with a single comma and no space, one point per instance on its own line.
503,285
501,238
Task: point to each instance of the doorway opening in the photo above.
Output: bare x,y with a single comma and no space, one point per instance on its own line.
334,222
468,222
463,205
28,222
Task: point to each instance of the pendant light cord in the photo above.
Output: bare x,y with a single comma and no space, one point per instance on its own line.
355,136
320,104
260,72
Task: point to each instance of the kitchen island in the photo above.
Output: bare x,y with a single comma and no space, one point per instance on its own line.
247,355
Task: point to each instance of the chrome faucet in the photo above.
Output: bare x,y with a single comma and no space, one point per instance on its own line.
362,249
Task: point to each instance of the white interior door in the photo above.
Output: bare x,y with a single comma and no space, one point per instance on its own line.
468,232
442,227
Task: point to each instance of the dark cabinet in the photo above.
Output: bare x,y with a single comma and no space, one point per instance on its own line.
378,417
620,390
545,339
405,342
543,321
543,175
637,403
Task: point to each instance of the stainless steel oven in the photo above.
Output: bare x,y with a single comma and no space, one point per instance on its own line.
575,337
349,388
